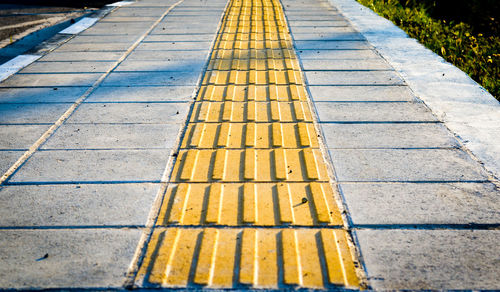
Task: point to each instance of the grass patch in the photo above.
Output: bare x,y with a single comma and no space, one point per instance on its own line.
474,47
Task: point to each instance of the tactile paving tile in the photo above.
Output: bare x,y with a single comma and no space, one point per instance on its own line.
262,204
261,165
250,204
256,135
250,257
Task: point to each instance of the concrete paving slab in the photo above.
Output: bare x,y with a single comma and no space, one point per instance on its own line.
422,203
143,113
151,78
194,65
368,65
403,165
179,38
68,67
139,12
61,166
142,94
200,28
94,47
124,19
378,136
40,113
86,39
76,205
336,36
169,55
20,136
322,29
338,54
96,257
373,112
353,78
315,17
361,93
115,31
318,23
7,158
332,45
431,259
41,94
169,46
113,136
61,79
82,56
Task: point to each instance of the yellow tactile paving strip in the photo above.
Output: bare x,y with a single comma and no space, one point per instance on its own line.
250,203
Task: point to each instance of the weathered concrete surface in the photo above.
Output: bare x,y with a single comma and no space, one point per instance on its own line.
75,257
114,136
375,136
416,203
423,165
76,204
431,259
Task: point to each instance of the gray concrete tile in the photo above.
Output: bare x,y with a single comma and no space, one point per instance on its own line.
116,29
146,113
138,93
335,36
373,112
336,54
322,29
31,113
162,46
139,12
398,165
168,55
361,93
113,136
319,23
180,38
38,95
182,29
56,79
105,39
431,259
95,257
93,166
353,78
125,19
422,203
369,64
314,17
8,158
76,205
94,47
82,56
68,67
151,78
193,65
387,136
20,136
332,45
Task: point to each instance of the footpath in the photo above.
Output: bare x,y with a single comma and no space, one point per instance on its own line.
241,144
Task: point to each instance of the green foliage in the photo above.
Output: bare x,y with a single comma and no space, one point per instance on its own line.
476,54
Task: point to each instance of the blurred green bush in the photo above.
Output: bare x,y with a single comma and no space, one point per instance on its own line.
470,42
